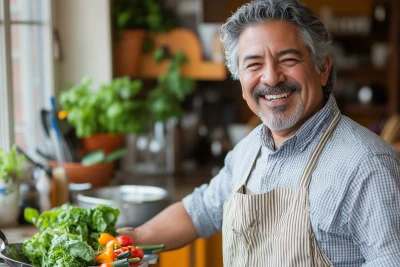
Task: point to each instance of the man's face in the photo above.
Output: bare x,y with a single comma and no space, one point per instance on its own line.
278,76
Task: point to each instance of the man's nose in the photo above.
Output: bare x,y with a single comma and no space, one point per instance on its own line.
272,75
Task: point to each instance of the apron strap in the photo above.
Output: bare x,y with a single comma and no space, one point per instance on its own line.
313,160
246,175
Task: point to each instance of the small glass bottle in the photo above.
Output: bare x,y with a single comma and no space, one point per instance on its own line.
59,190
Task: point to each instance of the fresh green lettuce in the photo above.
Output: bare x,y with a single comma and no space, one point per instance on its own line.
68,234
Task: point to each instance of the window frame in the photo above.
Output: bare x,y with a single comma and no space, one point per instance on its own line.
6,102
7,124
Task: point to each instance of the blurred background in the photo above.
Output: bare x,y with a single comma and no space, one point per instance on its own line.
51,45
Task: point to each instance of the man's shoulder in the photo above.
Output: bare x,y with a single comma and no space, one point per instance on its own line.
354,137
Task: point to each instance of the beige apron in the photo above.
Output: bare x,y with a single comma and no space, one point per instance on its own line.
273,229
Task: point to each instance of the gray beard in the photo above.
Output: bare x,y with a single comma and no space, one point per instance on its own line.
278,121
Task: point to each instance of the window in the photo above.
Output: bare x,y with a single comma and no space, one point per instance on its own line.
26,66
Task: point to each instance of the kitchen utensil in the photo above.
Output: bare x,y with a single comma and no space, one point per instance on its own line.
63,153
137,203
71,143
45,155
47,169
13,256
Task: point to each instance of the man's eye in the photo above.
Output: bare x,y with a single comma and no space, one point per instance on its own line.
290,61
253,65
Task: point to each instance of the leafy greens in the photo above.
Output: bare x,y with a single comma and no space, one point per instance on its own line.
11,165
68,234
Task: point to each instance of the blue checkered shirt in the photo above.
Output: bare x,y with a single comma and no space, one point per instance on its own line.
354,193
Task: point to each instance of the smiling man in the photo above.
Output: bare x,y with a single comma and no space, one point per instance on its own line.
308,187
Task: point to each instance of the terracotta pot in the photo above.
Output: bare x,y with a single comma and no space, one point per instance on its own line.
106,142
97,174
127,50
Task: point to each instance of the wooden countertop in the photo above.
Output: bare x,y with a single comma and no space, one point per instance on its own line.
17,234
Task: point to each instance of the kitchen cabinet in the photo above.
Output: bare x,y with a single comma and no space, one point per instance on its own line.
204,252
174,40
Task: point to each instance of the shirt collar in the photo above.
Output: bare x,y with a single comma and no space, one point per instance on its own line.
307,132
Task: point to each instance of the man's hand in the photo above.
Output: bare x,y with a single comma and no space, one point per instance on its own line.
172,227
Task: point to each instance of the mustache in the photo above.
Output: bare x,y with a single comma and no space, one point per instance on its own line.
279,89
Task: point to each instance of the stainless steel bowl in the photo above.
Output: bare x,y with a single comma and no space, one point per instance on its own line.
137,203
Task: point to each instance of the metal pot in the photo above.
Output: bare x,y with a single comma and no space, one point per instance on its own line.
137,203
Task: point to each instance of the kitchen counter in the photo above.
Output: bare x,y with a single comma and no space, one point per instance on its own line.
17,234
178,185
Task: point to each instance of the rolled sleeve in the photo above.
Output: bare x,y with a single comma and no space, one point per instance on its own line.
375,213
205,204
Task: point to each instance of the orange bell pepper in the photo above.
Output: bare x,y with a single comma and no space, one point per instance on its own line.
105,238
107,256
114,244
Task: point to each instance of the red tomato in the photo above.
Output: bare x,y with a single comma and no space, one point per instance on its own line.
137,252
120,250
125,240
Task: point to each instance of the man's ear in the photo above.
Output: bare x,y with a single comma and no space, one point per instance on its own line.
325,70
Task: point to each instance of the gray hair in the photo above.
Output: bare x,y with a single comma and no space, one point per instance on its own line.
314,34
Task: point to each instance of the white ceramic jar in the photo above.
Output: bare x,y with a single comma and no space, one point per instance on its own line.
9,209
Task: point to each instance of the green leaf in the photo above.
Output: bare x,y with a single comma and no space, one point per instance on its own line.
93,158
79,249
115,155
114,110
123,18
31,215
11,164
159,55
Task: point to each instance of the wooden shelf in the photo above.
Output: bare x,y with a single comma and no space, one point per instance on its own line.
364,70
366,38
365,114
187,41
367,110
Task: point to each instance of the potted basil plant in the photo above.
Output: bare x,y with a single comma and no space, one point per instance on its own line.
11,169
102,116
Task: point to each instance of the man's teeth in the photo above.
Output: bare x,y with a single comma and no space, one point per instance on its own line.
274,97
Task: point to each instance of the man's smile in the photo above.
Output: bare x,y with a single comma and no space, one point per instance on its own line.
276,96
